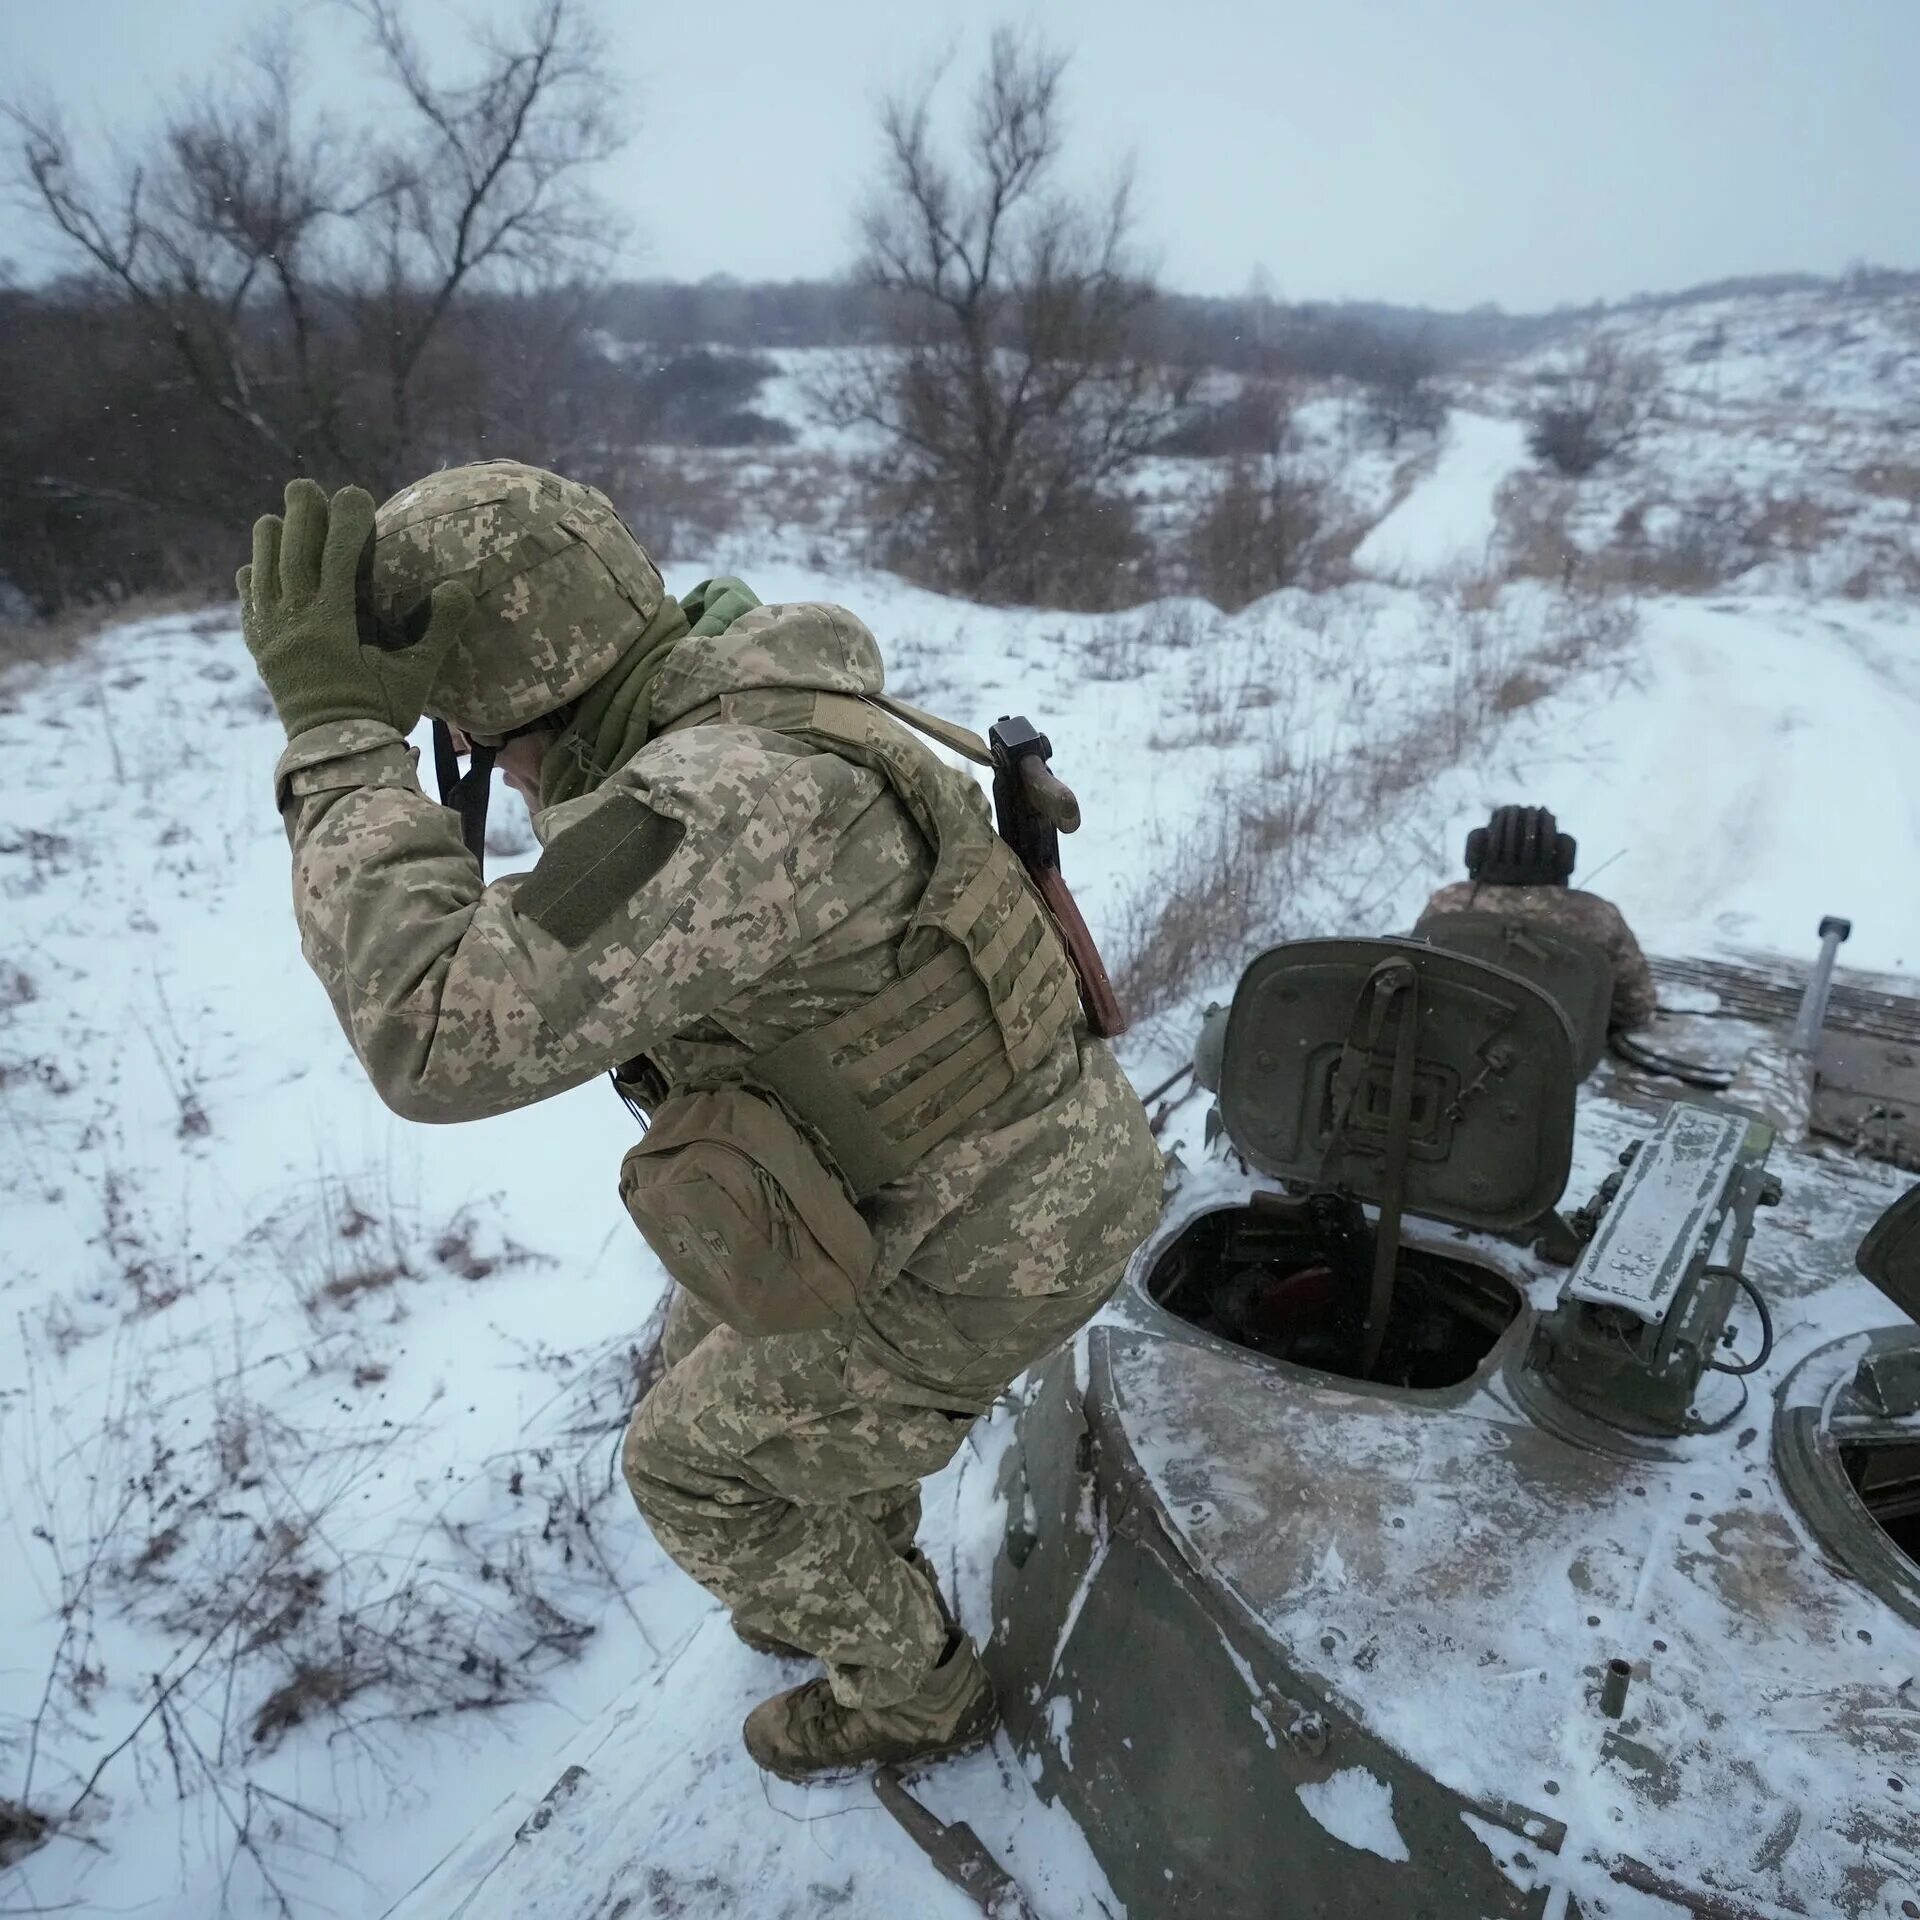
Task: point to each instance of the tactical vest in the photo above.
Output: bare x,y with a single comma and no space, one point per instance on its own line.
986,988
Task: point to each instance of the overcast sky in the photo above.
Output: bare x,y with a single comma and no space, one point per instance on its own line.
1444,152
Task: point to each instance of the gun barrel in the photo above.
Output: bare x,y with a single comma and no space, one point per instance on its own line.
1813,1003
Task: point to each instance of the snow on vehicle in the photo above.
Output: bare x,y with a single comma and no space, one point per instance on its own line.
1399,1545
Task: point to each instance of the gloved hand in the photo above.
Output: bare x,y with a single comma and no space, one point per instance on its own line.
297,607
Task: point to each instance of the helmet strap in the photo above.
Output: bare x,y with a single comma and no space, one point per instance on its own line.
466,793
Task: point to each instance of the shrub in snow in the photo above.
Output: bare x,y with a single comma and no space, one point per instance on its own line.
1256,534
1595,411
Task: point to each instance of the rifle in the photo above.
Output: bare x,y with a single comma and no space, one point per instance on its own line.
1032,807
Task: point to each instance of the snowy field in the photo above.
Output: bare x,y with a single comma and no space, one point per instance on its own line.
1780,453
307,1425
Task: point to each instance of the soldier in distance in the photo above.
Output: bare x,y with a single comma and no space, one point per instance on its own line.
1519,863
887,1164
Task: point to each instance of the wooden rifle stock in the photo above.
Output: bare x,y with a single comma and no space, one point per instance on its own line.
1032,808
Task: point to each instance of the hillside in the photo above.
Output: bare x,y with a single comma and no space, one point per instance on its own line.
1783,453
307,1431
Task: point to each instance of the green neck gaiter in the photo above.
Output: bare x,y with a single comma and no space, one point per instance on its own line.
613,719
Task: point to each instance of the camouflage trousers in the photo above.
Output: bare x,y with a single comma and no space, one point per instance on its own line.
783,1473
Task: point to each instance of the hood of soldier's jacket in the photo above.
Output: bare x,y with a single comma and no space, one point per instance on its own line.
617,715
810,645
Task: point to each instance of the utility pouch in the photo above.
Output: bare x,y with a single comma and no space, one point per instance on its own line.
744,1214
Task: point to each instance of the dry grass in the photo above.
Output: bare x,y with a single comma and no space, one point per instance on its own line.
311,1690
1532,514
1891,480
1115,651
345,1289
21,1830
228,1535
1711,542
1520,689
1173,626
156,1276
1895,571
1792,524
1126,646
368,1250
1702,544
1330,801
1680,566
1217,704
16,987
29,645
1202,915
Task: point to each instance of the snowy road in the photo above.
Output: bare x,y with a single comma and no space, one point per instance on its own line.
1759,771
1446,523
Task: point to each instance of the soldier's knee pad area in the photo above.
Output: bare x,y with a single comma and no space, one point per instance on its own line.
741,1419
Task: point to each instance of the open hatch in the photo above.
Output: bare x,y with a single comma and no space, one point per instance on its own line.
1869,1444
1290,1281
1391,1074
1426,1083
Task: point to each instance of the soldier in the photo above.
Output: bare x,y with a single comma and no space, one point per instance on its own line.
1519,863
887,1164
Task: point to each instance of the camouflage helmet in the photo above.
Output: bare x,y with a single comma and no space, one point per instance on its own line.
561,589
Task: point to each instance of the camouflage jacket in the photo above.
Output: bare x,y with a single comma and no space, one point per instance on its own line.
763,887
1587,914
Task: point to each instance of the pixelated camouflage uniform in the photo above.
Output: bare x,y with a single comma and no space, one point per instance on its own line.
782,1472
1586,914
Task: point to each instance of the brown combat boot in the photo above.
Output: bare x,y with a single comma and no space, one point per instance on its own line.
805,1734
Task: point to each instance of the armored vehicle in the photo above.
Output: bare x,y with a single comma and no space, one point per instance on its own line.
1494,1493
1405,1543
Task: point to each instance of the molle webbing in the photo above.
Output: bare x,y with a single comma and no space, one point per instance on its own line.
986,989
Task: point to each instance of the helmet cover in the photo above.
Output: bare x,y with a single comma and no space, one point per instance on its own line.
561,588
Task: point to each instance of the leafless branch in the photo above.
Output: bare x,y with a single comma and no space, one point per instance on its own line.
1018,398
1596,410
305,282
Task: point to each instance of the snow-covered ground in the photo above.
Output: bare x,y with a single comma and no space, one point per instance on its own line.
1447,525
1780,453
317,1548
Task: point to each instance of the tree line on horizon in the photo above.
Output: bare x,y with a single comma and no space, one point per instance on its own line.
260,291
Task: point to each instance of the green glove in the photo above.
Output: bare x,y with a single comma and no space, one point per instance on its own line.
297,607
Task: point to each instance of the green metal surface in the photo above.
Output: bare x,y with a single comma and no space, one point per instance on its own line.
1238,1583
1168,1721
1493,1081
1574,972
1890,1254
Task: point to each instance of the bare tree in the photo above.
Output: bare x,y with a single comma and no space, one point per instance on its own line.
486,186
1596,411
1017,399
203,235
305,279
1401,395
1258,532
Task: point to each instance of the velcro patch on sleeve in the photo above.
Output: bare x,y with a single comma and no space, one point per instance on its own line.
588,873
